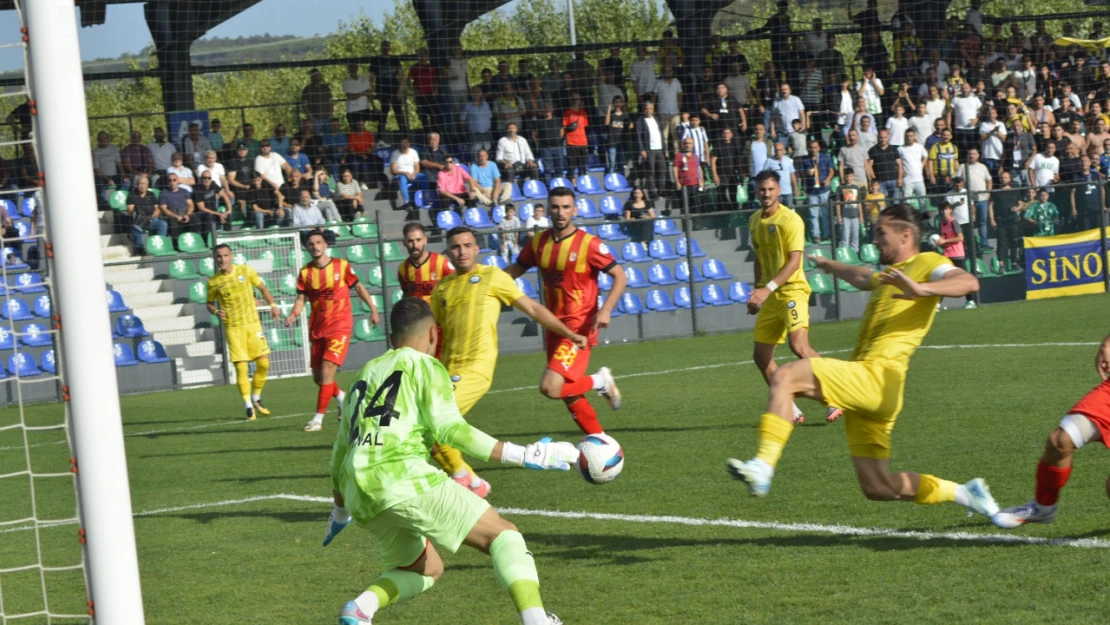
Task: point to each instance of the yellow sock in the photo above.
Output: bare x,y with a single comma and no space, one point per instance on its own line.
261,368
774,431
453,461
932,489
243,381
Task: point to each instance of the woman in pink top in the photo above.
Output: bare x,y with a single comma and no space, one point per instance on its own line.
951,242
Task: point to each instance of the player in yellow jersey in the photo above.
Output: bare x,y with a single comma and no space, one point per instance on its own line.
467,305
869,387
233,289
782,297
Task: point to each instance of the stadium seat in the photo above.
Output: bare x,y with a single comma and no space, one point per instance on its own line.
26,283
27,206
715,270
130,326
559,182
8,339
277,261
983,269
634,253
497,213
49,364
393,252
17,310
604,281
610,207
587,209
817,252
517,196
183,269
636,278
280,340
588,186
845,286
847,255
740,292
36,335
206,267
714,295
191,243
820,283
376,277
666,228
528,288
367,332
157,245
996,267
869,254
9,208
117,200
152,352
198,292
361,254
695,249
426,199
42,306
364,229
342,232
682,272
611,232
24,230
446,220
524,211
238,258
616,183
478,219
630,304
616,309
660,274
659,301
534,190
23,365
124,356
115,302
495,260
660,249
17,263
395,296
682,298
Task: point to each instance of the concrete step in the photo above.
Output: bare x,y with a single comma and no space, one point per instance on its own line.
169,324
128,272
148,300
196,377
111,238
168,312
194,363
187,336
115,253
128,287
201,348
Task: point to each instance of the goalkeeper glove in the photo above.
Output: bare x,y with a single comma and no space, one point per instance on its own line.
543,455
338,520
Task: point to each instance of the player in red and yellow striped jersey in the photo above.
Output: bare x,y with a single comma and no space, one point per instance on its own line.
326,283
569,260
419,272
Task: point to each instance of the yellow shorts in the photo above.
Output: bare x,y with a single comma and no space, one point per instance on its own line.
870,393
246,343
781,314
470,386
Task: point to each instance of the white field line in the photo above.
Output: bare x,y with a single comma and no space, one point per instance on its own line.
811,528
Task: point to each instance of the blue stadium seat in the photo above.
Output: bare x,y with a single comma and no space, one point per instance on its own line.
130,326
497,213
9,207
682,272
682,298
489,243
42,306
616,183
695,249
559,182
587,209
464,166
23,365
35,335
740,292
26,283
611,232
660,249
528,288
115,302
494,260
610,207
661,274
17,263
24,230
634,253
659,301
477,218
630,304
17,310
426,199
48,363
534,190
152,351
123,355
27,206
636,279
517,196
8,339
715,296
715,270
667,228
604,281
589,186
447,220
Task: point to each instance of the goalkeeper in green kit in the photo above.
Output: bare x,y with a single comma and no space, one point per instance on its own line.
381,477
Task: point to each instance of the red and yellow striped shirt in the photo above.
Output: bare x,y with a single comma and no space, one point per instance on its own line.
420,280
328,290
569,268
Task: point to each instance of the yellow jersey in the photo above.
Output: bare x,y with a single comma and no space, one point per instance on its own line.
234,292
892,329
773,238
945,157
467,306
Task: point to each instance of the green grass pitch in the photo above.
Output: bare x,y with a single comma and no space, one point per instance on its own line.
977,406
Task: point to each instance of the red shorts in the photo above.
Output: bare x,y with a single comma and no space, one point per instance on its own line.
332,349
1096,407
566,359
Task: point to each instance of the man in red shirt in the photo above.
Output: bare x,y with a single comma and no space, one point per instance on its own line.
425,86
368,168
575,121
569,261
688,174
326,283
419,272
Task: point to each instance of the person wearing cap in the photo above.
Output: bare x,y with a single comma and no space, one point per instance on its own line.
271,166
316,101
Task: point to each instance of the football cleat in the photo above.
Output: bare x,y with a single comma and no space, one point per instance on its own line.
1031,512
799,417
981,500
259,408
339,405
475,484
553,620
351,615
313,426
833,413
611,392
755,473
250,414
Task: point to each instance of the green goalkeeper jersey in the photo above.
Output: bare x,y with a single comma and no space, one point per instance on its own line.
399,405
1044,218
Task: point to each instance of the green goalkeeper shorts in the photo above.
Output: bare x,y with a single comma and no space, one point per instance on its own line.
444,515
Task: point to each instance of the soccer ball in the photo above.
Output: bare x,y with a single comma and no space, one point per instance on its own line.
601,458
934,239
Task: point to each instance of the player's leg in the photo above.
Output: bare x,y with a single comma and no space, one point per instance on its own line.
412,565
796,315
239,354
565,378
258,382
513,564
878,484
243,381
327,356
770,330
469,388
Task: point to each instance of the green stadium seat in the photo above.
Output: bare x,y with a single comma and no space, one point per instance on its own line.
198,292
214,321
191,243
820,251
742,193
336,252
298,258
362,254
157,192
206,267
118,200
279,340
376,277
379,302
252,243
834,186
183,269
820,283
393,252
396,296
279,263
239,258
869,254
996,267
160,246
845,286
342,232
364,229
847,255
288,284
368,333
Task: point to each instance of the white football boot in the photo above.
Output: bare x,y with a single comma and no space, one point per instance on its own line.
1031,512
755,473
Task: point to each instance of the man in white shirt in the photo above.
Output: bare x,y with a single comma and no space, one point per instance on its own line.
106,165
357,90
965,118
817,39
914,157
305,214
642,73
871,90
853,157
537,220
897,125
219,175
649,140
404,164
936,108
162,151
978,179
1044,167
271,165
785,110
992,133
514,156
921,123
935,61
185,178
788,179
668,97
457,81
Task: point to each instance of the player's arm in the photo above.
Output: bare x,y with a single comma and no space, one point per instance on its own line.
274,310
543,316
859,277
793,262
1102,359
605,315
515,270
364,295
298,306
954,282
